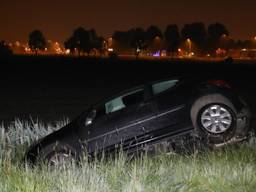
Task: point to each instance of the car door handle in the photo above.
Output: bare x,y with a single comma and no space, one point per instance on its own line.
144,104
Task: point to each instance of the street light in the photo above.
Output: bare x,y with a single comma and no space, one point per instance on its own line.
110,42
157,38
224,41
189,46
156,45
254,42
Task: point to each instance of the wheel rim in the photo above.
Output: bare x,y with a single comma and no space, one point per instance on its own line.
60,160
216,119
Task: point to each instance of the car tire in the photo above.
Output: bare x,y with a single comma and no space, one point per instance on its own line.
219,114
56,155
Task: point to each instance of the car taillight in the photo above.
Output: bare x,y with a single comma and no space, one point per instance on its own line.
220,83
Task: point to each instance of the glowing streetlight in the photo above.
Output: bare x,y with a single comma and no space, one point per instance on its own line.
157,38
110,49
110,42
67,51
17,43
224,41
253,41
156,44
189,45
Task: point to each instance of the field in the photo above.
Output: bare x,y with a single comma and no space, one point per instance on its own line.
229,169
50,88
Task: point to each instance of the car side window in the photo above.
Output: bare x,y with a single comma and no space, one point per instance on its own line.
124,101
160,87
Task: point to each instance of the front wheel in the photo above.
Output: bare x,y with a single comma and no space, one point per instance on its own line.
57,156
214,119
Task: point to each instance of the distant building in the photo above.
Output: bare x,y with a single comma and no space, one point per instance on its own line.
242,53
248,53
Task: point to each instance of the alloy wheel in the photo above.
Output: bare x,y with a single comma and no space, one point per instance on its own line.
216,119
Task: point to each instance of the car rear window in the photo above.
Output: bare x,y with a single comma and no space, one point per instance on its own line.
160,87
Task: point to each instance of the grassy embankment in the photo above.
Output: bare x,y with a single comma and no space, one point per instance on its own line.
231,169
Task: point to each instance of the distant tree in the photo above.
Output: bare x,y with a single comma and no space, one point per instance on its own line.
122,39
138,40
70,44
37,41
239,44
78,41
242,44
172,38
133,38
93,38
196,32
217,30
82,40
95,42
153,34
5,50
217,33
100,45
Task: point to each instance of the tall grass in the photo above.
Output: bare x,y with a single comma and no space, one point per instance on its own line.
230,169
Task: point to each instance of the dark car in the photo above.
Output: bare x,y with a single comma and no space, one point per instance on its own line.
209,111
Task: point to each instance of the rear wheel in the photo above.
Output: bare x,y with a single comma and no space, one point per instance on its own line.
214,118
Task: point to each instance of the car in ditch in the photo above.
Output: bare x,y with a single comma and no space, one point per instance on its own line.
208,111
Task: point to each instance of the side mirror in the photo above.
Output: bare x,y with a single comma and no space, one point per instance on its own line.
91,116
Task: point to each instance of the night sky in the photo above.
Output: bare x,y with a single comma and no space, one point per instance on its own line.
58,18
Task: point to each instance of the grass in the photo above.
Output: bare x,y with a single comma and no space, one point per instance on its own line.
230,169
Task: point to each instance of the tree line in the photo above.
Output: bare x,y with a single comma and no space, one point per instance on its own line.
153,39
203,39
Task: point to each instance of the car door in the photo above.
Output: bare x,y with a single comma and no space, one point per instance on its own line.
171,99
126,117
